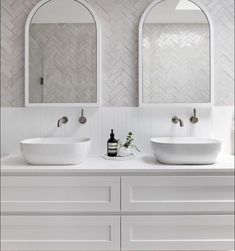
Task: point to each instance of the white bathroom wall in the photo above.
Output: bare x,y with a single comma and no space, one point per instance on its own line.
21,123
119,21
223,126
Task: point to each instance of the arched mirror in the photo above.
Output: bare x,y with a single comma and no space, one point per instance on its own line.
62,55
175,59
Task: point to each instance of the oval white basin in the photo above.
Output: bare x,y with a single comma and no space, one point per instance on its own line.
185,150
55,151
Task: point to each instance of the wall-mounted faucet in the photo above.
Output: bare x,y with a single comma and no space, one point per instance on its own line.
62,121
194,118
176,120
82,119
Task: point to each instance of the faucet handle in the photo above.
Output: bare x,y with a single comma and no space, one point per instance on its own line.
82,119
194,118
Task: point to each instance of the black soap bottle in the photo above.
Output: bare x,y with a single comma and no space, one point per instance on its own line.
112,145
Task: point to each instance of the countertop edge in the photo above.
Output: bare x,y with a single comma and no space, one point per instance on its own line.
96,165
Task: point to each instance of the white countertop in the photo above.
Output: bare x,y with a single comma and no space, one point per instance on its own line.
141,165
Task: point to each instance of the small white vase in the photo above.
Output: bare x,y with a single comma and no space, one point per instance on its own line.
124,151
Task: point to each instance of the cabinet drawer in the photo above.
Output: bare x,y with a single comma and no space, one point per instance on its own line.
60,233
178,193
177,232
60,194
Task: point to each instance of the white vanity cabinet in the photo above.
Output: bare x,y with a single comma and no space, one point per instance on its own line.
178,212
60,194
102,205
60,232
44,212
177,232
178,194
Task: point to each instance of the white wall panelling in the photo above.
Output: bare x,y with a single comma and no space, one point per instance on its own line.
119,21
21,123
223,125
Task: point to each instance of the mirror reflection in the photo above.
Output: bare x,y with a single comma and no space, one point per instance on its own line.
62,54
176,54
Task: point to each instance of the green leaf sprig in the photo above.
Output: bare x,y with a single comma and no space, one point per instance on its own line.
129,142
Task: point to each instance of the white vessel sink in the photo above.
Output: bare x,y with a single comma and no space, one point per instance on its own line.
185,150
55,151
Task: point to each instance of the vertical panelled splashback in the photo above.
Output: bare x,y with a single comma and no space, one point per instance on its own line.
119,20
22,123
144,122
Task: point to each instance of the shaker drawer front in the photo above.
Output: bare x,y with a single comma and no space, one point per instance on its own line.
177,232
60,233
178,193
69,194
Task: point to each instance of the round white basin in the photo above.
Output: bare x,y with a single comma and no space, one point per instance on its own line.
186,150
55,151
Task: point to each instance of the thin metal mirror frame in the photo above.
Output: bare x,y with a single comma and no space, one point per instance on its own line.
98,67
140,60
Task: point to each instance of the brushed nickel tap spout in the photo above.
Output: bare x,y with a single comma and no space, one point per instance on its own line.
176,120
62,121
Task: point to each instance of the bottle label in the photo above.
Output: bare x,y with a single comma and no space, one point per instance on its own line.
112,148
112,145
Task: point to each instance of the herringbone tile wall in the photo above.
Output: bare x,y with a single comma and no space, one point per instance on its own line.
176,63
68,64
119,20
